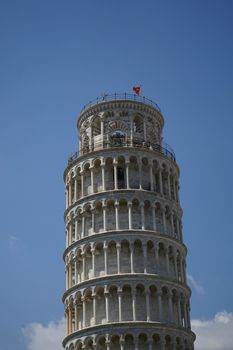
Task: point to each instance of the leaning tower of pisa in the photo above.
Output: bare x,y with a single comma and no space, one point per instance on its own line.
126,285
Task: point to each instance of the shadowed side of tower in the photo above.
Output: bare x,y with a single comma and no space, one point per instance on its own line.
126,285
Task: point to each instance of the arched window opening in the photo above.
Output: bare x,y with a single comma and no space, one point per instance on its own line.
117,138
138,125
96,126
121,173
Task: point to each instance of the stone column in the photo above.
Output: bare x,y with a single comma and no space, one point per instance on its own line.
170,307
167,261
150,344
119,292
184,271
122,342
67,236
131,131
102,131
106,294
140,173
75,271
130,215
91,141
107,343
160,309
142,216
76,228
181,271
164,221
175,263
67,276
105,258
76,267
147,305
157,258
177,192
93,260
169,185
188,314
104,216
127,174
67,321
115,175
82,183
144,248
103,176
144,129
162,343
172,224
70,232
185,314
134,304
93,219
67,197
70,201
94,306
160,182
75,188
174,188
92,179
131,257
84,266
83,224
179,310
84,311
151,178
76,315
173,345
116,212
118,249
154,218
178,229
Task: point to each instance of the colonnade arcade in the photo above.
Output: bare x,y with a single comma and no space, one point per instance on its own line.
158,340
107,173
110,128
123,214
124,256
127,302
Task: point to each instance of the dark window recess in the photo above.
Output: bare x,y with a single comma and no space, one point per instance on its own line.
120,177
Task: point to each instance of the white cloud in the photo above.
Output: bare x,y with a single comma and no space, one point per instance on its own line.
13,243
49,337
198,288
215,334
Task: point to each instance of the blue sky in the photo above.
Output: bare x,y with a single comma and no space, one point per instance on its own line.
56,56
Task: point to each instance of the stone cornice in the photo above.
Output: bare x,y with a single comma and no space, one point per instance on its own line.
129,327
133,278
113,234
131,106
115,194
115,151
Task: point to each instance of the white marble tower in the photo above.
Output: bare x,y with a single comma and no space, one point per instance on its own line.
125,264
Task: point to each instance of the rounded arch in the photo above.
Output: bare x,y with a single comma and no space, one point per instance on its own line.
96,126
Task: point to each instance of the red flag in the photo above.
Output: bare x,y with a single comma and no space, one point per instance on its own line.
137,90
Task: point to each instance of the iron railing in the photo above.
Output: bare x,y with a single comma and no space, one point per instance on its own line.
120,96
163,148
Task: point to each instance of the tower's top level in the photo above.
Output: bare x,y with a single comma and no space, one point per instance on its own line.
121,120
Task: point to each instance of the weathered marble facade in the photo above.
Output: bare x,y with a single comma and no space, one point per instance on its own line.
125,257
